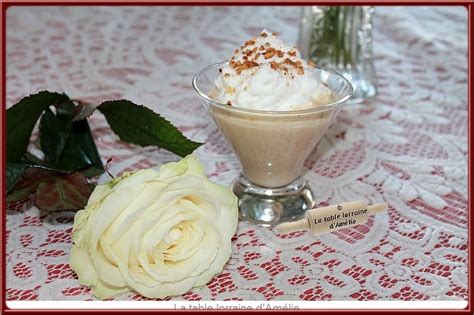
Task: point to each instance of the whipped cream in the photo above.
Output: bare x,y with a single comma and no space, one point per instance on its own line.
267,74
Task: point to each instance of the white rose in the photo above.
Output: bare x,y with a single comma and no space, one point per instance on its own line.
159,233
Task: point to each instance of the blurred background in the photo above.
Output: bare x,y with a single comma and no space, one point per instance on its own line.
138,51
406,146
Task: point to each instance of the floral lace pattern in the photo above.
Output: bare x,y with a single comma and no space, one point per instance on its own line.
407,147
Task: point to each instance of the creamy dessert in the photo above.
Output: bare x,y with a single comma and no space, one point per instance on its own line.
272,148
267,74
276,128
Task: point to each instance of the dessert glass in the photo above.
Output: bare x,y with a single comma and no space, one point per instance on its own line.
272,147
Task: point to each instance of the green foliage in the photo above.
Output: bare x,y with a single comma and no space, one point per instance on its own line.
59,181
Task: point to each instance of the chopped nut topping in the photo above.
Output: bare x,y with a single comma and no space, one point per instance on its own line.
250,42
311,64
229,103
269,54
236,51
250,53
239,67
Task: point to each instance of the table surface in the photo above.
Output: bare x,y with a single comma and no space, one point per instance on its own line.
407,147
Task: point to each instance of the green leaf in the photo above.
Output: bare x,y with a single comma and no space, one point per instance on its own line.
54,134
30,158
80,152
67,192
22,117
26,182
140,125
91,186
14,172
67,145
66,111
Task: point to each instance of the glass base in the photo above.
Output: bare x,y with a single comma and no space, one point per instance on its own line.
271,206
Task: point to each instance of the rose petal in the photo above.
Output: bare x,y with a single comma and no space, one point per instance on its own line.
189,165
105,264
110,208
124,221
99,193
81,263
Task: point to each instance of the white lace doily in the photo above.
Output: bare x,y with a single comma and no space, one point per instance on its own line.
407,147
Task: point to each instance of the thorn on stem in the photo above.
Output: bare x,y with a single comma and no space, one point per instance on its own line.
109,160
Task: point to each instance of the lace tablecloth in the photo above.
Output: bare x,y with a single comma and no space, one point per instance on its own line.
407,147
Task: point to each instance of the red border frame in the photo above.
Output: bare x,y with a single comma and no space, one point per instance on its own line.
469,4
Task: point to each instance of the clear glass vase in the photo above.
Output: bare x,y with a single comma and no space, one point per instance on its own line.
340,38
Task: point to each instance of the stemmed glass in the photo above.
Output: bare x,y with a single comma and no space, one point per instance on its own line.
272,147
